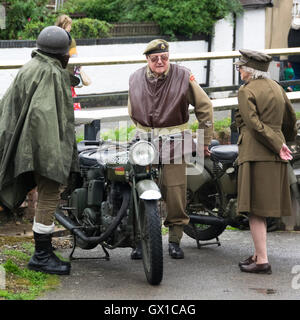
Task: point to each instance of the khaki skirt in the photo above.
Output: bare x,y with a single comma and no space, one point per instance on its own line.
263,189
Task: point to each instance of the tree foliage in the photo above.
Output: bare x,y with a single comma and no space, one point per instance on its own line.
107,10
182,17
19,13
25,19
174,17
90,28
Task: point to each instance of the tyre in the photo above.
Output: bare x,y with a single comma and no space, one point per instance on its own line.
208,199
151,240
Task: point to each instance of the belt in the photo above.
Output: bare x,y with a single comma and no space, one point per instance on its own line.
164,130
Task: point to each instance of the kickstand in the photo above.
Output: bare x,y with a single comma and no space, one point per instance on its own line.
199,245
106,257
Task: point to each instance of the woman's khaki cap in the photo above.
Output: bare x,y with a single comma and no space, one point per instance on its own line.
254,59
157,46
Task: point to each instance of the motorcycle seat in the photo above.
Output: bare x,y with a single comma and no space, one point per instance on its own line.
89,158
224,153
213,143
87,145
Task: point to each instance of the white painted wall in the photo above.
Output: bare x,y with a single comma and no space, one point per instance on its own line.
221,70
250,31
114,77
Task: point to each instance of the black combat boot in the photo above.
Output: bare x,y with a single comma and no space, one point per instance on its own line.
175,251
136,253
44,260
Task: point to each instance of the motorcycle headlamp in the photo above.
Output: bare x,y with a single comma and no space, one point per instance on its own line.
142,153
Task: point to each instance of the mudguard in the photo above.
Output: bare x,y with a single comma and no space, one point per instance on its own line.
148,190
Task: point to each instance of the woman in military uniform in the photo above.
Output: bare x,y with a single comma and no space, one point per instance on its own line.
265,119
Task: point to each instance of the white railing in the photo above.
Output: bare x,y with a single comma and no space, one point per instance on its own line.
120,114
87,116
100,61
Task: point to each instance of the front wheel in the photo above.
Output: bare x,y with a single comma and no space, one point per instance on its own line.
151,241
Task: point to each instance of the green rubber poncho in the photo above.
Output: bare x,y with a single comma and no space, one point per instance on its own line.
37,132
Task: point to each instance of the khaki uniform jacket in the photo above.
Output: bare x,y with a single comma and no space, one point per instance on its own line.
264,111
203,107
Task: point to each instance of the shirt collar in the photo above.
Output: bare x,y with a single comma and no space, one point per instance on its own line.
150,74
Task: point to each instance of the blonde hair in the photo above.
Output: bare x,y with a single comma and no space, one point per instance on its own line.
63,21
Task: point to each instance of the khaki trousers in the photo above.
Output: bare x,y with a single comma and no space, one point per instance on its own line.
173,189
48,197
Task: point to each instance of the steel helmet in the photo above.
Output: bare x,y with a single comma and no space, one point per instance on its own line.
54,40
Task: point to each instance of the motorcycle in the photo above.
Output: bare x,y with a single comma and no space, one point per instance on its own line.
116,205
212,193
117,202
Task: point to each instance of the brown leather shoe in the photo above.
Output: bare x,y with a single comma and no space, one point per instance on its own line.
246,262
264,268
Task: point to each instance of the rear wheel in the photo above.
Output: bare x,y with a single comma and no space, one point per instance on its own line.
207,202
151,240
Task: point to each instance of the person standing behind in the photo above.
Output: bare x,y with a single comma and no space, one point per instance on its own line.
294,60
65,22
159,98
294,41
37,140
265,119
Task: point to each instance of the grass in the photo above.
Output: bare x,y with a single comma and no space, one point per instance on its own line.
79,138
20,282
121,134
221,125
232,228
127,133
164,230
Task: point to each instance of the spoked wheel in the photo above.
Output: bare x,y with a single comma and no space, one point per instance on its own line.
208,199
151,241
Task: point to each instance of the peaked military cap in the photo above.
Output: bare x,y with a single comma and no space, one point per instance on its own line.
254,59
157,46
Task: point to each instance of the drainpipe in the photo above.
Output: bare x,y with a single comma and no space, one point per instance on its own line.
233,46
208,61
234,135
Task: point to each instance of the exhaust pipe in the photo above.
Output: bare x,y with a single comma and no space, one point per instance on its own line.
209,220
70,225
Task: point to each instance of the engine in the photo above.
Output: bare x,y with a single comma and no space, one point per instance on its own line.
109,210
